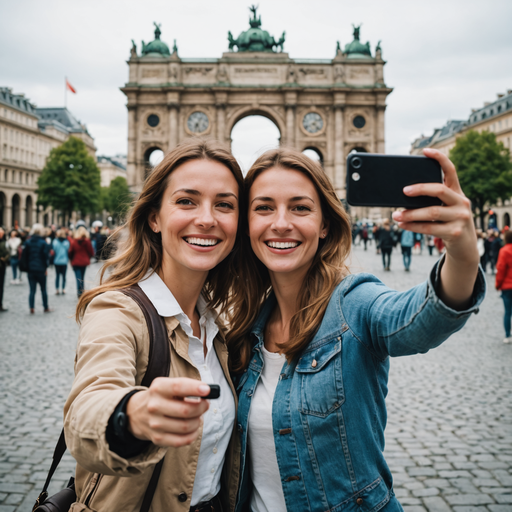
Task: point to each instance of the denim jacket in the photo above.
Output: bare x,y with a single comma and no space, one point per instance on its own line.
329,410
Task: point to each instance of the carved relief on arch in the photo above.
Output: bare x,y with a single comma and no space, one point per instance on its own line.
233,115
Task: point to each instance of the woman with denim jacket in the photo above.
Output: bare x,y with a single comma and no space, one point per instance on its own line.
311,343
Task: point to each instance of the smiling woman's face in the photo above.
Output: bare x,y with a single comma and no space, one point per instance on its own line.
285,220
198,217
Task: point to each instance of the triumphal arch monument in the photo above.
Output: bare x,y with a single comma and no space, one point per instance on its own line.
329,105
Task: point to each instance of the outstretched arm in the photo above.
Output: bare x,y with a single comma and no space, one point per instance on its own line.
453,222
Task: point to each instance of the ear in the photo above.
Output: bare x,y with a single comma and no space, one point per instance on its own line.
324,229
153,222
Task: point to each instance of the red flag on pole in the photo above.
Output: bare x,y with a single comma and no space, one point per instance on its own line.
70,87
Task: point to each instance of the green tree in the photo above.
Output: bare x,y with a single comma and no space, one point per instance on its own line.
484,169
119,197
70,180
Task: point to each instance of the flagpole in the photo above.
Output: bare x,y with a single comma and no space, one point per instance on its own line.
65,91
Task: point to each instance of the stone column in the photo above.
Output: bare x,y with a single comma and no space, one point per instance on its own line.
173,125
220,104
133,173
290,105
380,128
339,171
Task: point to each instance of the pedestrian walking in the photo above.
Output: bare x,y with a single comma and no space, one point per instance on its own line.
504,282
364,235
80,254
387,241
181,241
407,243
493,248
13,244
4,258
430,244
37,256
60,260
376,231
310,342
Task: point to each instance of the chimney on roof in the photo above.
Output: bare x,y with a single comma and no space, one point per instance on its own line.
487,103
509,91
473,110
500,95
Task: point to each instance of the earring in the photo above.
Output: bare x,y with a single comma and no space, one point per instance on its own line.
156,231
324,235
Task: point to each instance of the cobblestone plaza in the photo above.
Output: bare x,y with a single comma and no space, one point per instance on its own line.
449,433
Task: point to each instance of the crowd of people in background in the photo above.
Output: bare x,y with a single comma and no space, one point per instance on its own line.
32,252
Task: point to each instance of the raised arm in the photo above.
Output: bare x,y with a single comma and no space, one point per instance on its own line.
453,223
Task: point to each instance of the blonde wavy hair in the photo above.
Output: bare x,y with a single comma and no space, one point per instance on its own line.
328,268
140,248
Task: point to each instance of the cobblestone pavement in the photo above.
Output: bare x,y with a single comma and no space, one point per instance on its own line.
449,434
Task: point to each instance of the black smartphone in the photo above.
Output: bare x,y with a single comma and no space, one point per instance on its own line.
214,392
378,180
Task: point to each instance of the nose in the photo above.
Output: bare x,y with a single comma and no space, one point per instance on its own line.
281,222
205,217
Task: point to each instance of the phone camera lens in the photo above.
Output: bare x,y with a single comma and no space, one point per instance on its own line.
356,176
356,162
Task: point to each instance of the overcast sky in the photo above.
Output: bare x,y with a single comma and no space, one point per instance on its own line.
444,57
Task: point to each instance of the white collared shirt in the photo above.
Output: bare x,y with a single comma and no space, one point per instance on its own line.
219,419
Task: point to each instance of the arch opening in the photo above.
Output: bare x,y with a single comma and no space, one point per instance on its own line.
28,211
152,157
315,154
506,220
16,211
3,204
357,149
251,136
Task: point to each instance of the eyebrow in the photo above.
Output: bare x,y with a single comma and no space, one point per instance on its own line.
193,192
296,198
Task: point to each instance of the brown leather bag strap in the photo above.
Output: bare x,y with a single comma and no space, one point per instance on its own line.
159,364
159,361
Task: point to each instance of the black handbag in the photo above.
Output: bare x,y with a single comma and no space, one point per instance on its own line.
159,364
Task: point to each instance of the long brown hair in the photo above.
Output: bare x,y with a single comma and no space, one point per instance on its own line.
326,272
141,249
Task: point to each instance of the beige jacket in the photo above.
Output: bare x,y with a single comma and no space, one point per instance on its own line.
112,357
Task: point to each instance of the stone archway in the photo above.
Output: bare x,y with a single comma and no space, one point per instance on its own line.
149,164
15,210
3,210
314,154
251,136
506,220
331,105
29,211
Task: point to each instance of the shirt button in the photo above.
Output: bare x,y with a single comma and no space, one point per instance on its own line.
182,497
359,501
215,411
215,450
213,470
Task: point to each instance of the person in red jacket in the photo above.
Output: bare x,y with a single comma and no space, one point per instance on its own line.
80,254
504,282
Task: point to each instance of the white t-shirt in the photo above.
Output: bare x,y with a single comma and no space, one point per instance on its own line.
267,494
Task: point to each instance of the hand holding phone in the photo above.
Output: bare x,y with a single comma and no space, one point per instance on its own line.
379,180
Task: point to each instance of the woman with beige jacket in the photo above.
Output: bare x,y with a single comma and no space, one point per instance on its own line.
181,242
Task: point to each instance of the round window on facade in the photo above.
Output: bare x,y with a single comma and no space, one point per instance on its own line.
153,120
359,122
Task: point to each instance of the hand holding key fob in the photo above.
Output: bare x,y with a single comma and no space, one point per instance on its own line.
214,392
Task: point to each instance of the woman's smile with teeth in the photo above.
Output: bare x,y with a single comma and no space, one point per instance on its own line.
202,241
282,245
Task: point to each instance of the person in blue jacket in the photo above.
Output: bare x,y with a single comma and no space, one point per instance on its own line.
38,254
310,343
407,243
60,246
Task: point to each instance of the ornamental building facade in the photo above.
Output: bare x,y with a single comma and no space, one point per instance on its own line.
332,106
27,135
494,117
